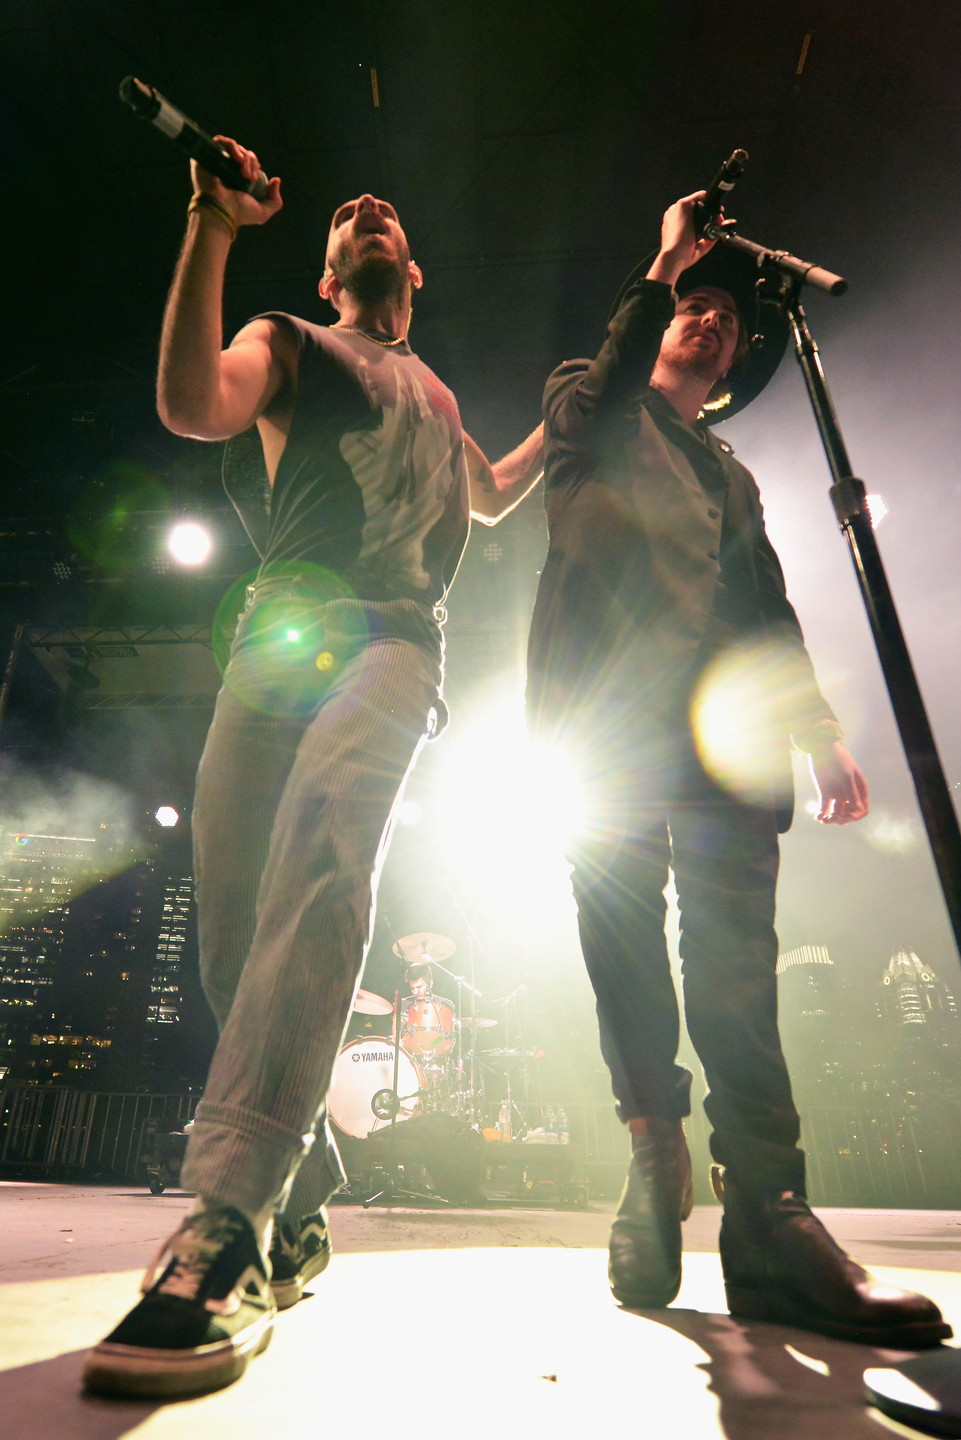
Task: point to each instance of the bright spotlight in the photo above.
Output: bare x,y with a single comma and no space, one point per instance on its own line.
166,816
812,807
189,543
409,812
876,509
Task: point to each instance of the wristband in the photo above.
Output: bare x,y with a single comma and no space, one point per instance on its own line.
203,201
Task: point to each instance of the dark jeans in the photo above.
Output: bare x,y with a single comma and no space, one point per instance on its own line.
725,860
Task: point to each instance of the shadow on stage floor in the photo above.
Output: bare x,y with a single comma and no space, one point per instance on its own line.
456,1325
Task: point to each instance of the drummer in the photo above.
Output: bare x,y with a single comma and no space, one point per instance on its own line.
420,978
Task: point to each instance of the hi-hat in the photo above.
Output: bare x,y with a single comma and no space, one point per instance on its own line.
479,1022
367,1003
419,949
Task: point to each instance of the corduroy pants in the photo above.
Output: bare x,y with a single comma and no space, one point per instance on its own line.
296,792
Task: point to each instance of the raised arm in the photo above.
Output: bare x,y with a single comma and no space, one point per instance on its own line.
204,391
496,489
581,405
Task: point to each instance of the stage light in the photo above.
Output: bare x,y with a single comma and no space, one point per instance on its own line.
812,807
293,636
409,812
507,805
167,816
876,509
189,543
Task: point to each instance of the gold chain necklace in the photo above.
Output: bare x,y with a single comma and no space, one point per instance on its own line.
368,336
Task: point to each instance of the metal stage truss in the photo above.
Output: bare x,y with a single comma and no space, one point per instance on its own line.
131,667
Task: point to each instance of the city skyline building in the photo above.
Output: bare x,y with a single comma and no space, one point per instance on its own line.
95,941
38,875
819,1038
912,996
921,1030
166,996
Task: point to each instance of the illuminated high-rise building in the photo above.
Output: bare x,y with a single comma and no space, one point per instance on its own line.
38,875
166,980
912,997
816,1029
921,1029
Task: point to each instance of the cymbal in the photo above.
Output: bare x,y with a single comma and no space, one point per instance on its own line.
417,949
479,1022
367,1003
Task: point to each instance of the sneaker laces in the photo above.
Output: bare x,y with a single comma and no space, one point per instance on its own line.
193,1247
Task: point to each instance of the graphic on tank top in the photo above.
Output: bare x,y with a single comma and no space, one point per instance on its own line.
373,478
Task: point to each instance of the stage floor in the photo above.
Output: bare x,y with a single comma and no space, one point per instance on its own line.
448,1323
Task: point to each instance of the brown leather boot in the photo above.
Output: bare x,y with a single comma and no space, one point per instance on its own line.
781,1265
645,1248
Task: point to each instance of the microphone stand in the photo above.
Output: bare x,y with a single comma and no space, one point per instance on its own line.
782,277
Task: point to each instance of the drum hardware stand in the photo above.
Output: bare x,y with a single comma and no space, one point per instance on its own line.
476,1110
388,1102
475,995
782,277
507,1001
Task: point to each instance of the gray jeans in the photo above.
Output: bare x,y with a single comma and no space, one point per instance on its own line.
324,709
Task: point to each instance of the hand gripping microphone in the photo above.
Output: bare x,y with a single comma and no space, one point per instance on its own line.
708,210
150,105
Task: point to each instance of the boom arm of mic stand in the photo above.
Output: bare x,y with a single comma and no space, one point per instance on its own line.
802,271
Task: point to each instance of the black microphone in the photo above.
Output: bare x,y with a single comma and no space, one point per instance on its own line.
150,105
708,210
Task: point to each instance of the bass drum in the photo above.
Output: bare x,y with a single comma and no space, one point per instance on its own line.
362,1068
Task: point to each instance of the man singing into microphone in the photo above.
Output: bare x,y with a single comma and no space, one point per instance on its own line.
658,567
333,685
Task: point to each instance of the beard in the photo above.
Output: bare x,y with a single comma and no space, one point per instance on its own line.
700,361
368,275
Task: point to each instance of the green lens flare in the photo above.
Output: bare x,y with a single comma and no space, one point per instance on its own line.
293,642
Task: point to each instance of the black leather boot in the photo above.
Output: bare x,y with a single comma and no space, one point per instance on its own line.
781,1265
645,1249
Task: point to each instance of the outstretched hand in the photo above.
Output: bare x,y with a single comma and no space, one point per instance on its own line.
842,790
680,247
244,208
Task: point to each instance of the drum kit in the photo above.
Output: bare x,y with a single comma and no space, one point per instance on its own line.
429,1062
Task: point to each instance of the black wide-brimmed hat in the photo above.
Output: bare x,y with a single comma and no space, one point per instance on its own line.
766,325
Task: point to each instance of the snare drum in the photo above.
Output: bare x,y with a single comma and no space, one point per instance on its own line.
361,1069
428,1028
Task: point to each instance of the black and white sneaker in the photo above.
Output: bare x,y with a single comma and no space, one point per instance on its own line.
298,1252
196,1327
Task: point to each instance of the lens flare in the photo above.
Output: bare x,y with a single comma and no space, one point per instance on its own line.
744,708
189,543
284,633
508,806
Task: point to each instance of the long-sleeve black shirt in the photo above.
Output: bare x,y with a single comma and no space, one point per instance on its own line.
658,553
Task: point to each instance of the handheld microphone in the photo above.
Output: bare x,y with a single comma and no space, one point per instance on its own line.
708,210
150,105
